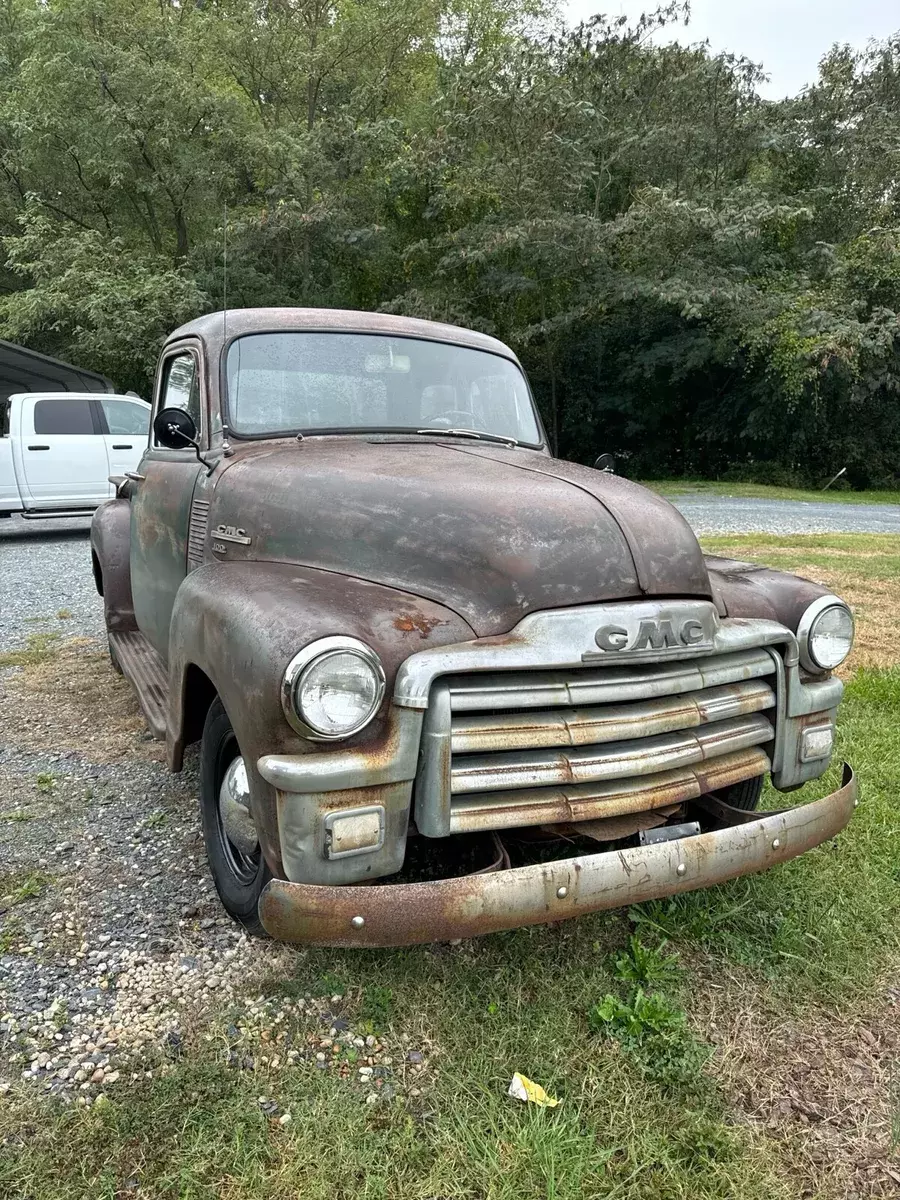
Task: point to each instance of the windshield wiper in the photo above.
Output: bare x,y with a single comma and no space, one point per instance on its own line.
471,433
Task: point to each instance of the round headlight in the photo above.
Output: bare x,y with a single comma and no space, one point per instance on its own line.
332,688
825,634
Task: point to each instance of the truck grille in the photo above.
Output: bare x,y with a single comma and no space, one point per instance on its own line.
528,748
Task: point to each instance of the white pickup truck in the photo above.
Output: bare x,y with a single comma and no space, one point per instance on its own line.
58,449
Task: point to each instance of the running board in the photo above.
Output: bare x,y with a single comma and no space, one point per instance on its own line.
147,674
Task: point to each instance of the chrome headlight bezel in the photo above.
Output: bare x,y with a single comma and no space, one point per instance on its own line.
299,666
806,631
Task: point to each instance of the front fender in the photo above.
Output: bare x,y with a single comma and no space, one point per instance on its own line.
750,590
241,623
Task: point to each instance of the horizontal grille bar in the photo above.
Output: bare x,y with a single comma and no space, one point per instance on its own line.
587,801
610,723
604,685
614,760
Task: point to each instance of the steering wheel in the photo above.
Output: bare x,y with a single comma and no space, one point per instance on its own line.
457,418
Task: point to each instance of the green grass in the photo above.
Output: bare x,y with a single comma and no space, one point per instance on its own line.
602,1012
762,491
862,555
18,886
38,648
620,1131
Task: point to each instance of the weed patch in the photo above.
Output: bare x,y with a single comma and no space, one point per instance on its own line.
39,647
651,1027
17,887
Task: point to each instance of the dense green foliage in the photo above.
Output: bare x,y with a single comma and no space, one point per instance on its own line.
694,277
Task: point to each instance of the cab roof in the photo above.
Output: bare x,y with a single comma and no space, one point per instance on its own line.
215,329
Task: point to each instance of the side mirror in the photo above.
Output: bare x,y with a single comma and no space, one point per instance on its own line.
175,429
606,462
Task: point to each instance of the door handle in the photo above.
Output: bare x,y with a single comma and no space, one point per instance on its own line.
123,446
134,477
38,447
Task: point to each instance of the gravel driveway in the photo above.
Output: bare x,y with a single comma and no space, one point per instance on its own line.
733,514
45,569
114,949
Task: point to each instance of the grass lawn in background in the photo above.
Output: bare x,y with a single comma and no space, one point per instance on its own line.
762,491
740,1042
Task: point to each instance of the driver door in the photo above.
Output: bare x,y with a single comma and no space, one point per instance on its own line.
161,499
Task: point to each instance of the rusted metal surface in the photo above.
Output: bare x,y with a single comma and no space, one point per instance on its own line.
588,801
662,546
214,330
420,517
476,740
548,659
750,590
406,914
614,760
240,624
110,550
617,722
147,674
614,829
161,507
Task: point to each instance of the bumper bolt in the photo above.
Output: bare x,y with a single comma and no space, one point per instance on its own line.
776,843
357,922
681,869
562,892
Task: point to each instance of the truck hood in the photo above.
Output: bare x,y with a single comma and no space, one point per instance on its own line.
491,533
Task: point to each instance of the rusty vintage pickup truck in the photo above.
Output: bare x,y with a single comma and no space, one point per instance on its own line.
443,683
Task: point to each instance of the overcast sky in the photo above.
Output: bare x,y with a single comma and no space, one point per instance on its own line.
787,36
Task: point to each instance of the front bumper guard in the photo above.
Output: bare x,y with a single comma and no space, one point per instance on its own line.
411,913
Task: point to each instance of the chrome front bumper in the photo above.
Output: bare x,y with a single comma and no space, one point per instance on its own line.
406,914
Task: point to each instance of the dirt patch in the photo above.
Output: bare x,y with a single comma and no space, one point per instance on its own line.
72,699
827,1090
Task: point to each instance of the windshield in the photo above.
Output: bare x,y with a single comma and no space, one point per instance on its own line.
303,382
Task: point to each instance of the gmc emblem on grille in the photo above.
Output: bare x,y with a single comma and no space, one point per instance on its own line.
652,635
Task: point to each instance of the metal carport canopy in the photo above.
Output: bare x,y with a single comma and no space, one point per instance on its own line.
23,370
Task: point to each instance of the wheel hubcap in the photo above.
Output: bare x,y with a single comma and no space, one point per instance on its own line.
234,812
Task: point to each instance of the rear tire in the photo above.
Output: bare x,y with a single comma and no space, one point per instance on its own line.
745,795
239,876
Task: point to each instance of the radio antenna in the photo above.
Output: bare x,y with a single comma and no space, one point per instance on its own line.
225,274
226,445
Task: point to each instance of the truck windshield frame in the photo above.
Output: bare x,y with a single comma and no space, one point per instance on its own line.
284,383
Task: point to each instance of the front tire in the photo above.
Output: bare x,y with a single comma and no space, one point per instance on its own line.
238,869
745,795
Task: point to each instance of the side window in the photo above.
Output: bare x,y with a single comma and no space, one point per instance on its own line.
181,386
63,416
132,420
5,409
